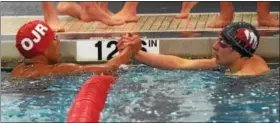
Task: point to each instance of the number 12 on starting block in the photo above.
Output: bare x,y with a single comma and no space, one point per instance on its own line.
105,49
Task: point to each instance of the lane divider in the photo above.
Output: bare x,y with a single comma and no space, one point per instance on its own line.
90,100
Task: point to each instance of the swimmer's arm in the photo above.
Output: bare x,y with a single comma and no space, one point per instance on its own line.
122,58
108,68
173,62
112,65
70,68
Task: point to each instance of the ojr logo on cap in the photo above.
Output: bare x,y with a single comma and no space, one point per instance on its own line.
40,30
33,38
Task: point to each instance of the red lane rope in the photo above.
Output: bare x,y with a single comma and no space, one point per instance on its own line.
90,100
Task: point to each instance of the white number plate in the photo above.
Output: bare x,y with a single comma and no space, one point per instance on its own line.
105,49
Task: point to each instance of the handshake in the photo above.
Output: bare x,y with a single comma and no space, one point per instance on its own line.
130,43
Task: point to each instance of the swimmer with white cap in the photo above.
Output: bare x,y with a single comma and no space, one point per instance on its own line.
36,42
234,49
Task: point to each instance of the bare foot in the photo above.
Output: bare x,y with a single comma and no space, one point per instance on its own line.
109,12
268,21
182,15
95,13
55,26
69,8
50,17
104,7
126,16
186,9
219,22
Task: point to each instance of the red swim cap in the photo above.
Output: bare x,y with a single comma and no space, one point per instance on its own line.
33,38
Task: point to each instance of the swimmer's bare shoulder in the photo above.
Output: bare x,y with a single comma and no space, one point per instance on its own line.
255,66
65,68
22,71
35,71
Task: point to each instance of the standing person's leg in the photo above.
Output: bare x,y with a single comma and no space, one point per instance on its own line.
186,9
91,11
69,8
264,17
50,16
128,12
225,17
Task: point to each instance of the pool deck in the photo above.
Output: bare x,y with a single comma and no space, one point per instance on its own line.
146,23
189,44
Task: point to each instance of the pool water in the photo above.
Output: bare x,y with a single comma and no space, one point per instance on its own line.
145,94
34,102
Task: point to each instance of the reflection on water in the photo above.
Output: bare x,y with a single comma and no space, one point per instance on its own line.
146,94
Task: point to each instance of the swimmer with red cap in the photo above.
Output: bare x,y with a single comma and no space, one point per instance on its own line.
234,49
36,42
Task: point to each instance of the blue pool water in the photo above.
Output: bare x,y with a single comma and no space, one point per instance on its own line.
142,93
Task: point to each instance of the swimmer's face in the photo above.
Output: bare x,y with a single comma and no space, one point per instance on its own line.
53,52
223,52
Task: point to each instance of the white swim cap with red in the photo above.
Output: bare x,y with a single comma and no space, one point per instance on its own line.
33,38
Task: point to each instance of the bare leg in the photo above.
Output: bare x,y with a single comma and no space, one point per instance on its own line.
264,17
50,17
185,11
104,6
128,12
91,11
225,17
69,8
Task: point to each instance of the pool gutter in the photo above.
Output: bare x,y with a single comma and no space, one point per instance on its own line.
183,47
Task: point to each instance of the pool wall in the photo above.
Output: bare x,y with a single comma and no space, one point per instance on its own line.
184,47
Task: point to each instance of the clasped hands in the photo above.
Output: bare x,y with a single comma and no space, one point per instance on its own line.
131,41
